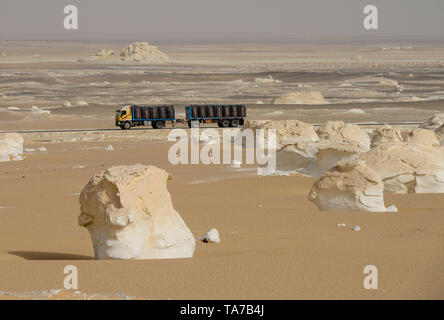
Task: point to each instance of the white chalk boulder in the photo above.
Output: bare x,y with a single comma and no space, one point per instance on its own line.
386,135
211,236
295,144
407,168
423,137
129,215
351,185
11,147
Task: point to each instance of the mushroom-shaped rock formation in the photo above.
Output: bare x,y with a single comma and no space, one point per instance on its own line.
129,215
351,185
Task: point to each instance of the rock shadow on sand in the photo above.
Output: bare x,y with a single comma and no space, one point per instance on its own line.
39,255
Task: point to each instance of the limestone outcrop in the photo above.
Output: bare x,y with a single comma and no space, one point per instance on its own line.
386,135
408,168
295,144
143,52
423,137
129,215
11,147
301,97
351,185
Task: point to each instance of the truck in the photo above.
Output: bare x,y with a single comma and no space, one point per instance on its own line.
141,115
158,115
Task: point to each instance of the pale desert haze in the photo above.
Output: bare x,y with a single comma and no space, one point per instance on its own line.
359,171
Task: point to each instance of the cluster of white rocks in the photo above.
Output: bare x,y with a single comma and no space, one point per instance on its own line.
135,52
355,169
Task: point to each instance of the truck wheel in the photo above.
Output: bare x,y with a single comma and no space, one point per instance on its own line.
234,123
189,124
126,125
225,123
158,124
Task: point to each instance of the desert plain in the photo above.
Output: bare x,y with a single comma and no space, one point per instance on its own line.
275,243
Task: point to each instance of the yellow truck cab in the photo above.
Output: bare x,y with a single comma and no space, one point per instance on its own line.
124,117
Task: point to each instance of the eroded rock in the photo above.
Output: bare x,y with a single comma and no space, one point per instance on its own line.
407,168
351,185
129,215
11,147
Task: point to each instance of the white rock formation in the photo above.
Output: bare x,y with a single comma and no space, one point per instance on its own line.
339,141
11,147
267,79
105,54
302,97
423,137
339,131
35,109
434,122
351,185
129,215
386,135
143,52
408,168
295,144
211,236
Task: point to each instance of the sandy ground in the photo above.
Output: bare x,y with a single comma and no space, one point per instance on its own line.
275,243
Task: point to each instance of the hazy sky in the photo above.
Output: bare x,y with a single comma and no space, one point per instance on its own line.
218,19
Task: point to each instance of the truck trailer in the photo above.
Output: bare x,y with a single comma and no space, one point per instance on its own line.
223,115
142,115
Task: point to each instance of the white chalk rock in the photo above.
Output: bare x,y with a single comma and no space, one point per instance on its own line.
338,142
339,131
423,137
42,149
351,185
433,122
295,144
301,97
11,147
143,52
356,228
408,168
109,148
37,110
211,236
129,215
267,79
386,135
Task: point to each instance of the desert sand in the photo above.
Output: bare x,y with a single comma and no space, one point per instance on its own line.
274,242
